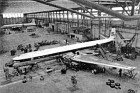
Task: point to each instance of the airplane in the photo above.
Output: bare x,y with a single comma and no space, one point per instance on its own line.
35,57
19,25
64,49
28,58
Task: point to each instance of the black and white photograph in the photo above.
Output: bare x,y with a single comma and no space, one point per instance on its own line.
69,46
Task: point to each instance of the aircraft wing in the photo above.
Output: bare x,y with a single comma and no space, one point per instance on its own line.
94,60
61,49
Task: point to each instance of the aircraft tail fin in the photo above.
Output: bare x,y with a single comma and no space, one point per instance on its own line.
112,33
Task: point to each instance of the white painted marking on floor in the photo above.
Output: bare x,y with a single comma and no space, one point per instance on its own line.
10,84
17,82
21,80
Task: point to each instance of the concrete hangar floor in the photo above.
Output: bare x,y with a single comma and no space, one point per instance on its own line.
55,82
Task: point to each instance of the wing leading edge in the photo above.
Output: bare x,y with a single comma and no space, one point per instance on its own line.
67,48
61,49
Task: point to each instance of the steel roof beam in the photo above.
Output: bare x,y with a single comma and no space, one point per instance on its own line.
84,8
133,7
122,7
106,10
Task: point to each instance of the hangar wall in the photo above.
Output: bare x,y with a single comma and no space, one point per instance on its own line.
74,20
0,34
0,26
128,28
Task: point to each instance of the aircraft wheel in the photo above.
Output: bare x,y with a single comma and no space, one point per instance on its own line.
24,81
111,81
112,85
108,83
131,91
118,86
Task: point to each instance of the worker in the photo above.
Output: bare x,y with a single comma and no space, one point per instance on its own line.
24,79
64,70
120,73
19,47
30,50
41,78
73,80
22,49
13,52
6,71
103,70
30,46
66,41
30,77
17,71
25,50
94,71
36,46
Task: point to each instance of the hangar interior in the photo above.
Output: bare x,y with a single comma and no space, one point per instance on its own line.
28,26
